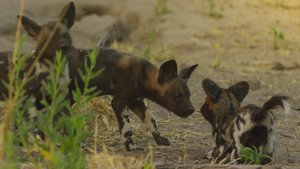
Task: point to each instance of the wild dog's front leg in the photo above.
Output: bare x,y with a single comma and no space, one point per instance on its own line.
236,143
119,107
221,147
139,108
268,148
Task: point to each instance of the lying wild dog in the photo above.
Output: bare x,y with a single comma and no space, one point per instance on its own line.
249,126
43,54
259,119
129,80
219,109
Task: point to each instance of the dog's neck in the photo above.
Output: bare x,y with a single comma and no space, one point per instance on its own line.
153,89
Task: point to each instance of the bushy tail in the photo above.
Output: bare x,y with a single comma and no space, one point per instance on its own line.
273,103
108,38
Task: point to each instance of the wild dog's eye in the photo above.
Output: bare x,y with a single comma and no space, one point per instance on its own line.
178,95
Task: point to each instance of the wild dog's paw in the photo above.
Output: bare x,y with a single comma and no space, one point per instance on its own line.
265,161
130,146
133,148
209,154
160,140
83,145
138,149
214,153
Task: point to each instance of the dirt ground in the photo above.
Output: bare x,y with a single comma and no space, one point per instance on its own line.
238,45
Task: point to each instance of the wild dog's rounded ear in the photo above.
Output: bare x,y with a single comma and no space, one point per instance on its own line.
167,71
32,28
67,15
186,72
211,89
240,90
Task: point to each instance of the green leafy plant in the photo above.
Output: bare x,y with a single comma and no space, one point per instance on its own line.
278,38
72,125
252,155
63,126
16,105
148,165
212,10
279,3
161,7
159,53
149,43
217,52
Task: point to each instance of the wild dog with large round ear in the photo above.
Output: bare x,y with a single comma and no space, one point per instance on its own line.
234,127
53,35
50,38
219,109
44,52
129,80
220,101
163,86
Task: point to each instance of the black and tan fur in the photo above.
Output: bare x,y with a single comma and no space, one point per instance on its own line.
219,110
45,51
255,120
130,80
235,127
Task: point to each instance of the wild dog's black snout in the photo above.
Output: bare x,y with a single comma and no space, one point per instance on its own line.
191,109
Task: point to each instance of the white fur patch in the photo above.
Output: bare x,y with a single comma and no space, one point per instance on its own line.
148,120
127,126
232,155
2,103
269,146
65,75
65,78
209,154
286,108
32,112
221,150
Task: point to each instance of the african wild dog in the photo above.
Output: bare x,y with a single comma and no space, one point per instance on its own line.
255,120
249,126
49,40
219,109
129,80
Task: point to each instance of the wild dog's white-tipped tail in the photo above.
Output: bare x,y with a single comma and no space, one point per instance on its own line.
272,103
286,107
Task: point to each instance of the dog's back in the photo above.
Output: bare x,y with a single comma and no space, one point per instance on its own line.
120,70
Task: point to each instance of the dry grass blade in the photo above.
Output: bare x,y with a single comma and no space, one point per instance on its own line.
105,160
4,124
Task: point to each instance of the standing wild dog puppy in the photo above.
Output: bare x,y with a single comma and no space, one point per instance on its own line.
219,109
129,80
45,52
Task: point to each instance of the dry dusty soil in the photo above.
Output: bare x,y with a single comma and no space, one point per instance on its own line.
232,40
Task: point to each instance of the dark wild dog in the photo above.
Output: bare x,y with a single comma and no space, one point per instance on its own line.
249,126
50,37
129,80
219,109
